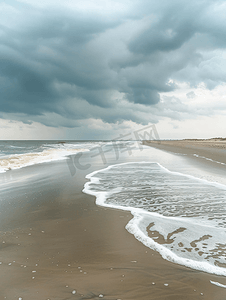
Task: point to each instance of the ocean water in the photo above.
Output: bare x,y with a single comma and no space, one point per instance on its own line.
20,154
178,202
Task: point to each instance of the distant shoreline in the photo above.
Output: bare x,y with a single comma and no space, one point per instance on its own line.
213,149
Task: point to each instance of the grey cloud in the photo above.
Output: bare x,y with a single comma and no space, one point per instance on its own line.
63,63
173,108
144,96
162,37
171,25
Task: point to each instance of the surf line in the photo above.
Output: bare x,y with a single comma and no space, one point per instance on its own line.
134,226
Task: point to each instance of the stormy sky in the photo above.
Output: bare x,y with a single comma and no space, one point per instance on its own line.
93,69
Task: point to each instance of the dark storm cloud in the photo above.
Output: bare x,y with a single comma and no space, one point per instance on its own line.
82,64
34,59
168,32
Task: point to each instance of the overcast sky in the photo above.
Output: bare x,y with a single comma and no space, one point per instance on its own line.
93,69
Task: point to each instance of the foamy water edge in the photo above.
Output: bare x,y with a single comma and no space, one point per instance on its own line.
19,161
139,231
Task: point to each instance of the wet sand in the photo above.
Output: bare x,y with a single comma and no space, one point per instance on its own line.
214,149
57,244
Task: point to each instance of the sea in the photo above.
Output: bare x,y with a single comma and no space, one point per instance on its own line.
177,201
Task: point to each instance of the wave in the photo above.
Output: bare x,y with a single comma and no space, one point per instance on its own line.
18,161
30,153
167,209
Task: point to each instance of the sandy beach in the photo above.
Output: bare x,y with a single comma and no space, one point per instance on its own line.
214,149
56,243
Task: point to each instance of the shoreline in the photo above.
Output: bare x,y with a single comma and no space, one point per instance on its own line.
212,149
55,233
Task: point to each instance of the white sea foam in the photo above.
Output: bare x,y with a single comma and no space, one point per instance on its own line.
183,154
18,161
209,159
218,284
180,216
29,153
